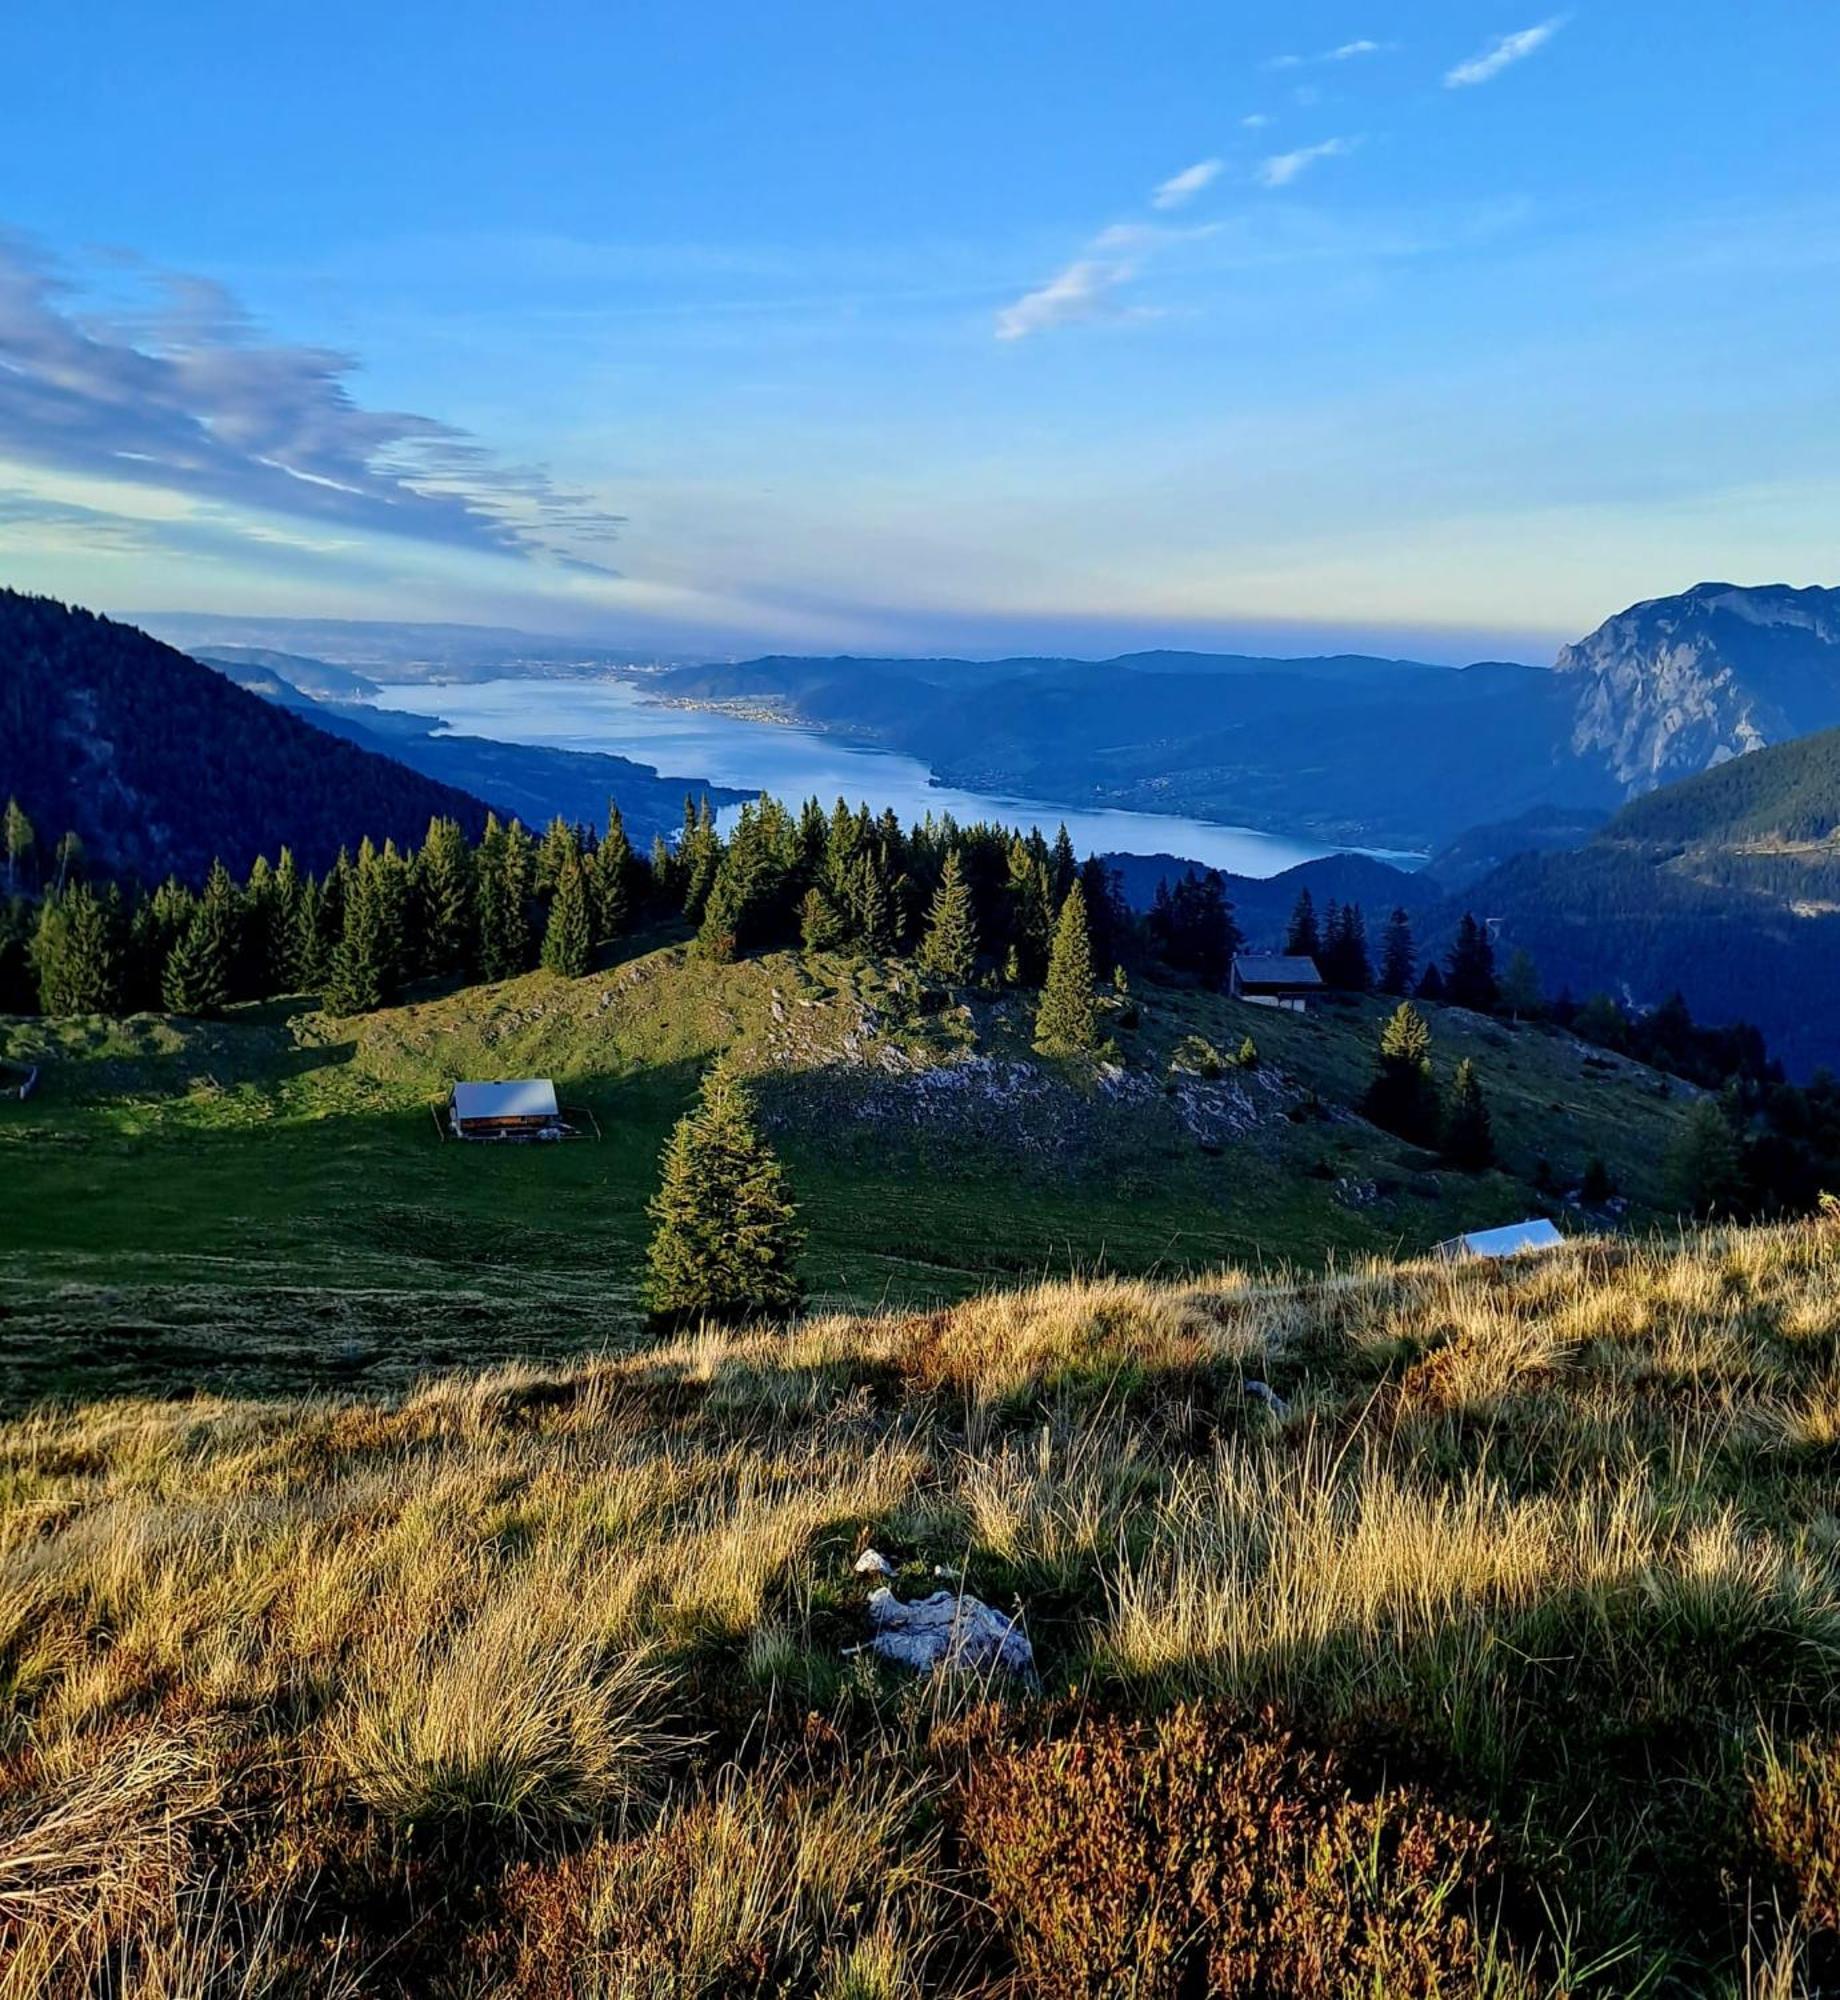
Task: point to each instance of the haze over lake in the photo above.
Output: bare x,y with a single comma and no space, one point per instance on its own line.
795,763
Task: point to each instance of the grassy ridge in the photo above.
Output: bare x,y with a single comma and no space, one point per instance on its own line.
264,1203
534,1682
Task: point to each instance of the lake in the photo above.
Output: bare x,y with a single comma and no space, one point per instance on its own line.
795,764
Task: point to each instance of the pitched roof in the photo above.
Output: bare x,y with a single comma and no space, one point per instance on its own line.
1508,1241
533,1097
1262,968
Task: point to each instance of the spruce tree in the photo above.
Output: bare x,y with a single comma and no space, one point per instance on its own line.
1401,1099
1067,1022
1702,1162
78,952
1469,970
199,967
282,970
359,979
948,952
446,898
1303,939
17,837
1030,922
504,900
1520,987
1398,958
567,936
725,1237
612,878
312,945
1469,1139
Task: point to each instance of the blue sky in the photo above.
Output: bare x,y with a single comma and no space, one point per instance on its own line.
1446,328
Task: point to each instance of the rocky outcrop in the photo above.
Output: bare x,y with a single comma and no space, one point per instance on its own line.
1679,684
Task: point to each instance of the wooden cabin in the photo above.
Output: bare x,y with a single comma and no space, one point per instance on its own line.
1267,979
524,1109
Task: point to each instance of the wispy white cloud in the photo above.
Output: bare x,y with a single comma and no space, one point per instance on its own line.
1086,289
1283,168
1256,121
1502,53
1343,52
1182,187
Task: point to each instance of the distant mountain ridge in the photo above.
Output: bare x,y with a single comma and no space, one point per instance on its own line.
162,765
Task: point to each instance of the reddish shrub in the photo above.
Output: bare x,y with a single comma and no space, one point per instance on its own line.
1205,1854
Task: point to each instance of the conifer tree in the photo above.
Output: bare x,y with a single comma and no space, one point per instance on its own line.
1520,987
1345,963
699,855
1401,1099
611,878
282,968
567,936
504,900
1398,958
1067,1022
200,967
1469,970
1430,983
359,979
395,946
1063,868
948,952
17,837
158,923
870,909
1303,939
313,946
725,1239
560,843
821,927
1702,1162
446,898
1030,922
1469,1139
78,952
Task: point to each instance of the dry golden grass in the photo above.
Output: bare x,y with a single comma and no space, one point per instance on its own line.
490,1689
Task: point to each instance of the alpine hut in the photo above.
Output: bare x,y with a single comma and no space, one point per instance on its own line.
525,1109
1269,979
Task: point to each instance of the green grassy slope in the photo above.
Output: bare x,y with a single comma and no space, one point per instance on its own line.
267,1202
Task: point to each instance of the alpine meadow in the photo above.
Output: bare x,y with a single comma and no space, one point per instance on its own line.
918,1029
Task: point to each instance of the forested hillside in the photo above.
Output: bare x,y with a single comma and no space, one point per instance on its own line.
161,766
1724,888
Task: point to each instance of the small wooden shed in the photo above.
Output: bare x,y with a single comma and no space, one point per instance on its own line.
522,1109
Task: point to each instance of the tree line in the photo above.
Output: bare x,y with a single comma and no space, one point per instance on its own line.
980,904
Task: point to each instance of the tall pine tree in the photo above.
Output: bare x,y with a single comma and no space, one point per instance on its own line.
1469,1137
1303,939
1398,958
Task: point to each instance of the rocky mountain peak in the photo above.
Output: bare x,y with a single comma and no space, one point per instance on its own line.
1678,684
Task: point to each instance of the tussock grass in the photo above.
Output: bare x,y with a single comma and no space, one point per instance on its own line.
534,1681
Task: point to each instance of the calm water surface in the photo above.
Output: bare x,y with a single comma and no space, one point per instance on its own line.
795,764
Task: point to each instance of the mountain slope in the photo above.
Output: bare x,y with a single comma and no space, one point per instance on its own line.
161,764
1676,684
1725,886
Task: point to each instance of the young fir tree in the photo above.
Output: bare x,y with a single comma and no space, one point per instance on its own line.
699,855
504,900
561,843
1031,925
1469,1138
17,837
1303,939
568,934
948,952
1401,1098
313,946
1067,1022
283,968
821,925
78,952
1398,956
725,1236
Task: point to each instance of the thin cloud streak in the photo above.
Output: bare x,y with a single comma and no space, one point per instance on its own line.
1501,54
1283,168
1183,187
